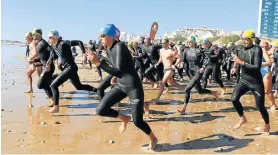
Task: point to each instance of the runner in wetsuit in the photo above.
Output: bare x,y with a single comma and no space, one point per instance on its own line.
43,49
69,68
35,66
137,55
249,60
214,65
179,67
231,49
128,83
92,47
153,53
197,61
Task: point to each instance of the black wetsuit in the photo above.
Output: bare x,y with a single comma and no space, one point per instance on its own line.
215,55
228,62
180,70
44,51
27,50
250,80
196,59
153,53
69,68
185,63
128,84
139,64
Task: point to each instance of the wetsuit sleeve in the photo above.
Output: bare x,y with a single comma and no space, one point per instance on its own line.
206,59
184,56
213,56
119,63
78,43
257,60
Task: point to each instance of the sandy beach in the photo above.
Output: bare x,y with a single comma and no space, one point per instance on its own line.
206,128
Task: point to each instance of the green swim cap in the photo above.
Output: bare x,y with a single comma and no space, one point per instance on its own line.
193,39
165,41
36,31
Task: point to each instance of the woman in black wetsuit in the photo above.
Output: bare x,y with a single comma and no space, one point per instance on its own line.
62,50
197,61
249,59
128,83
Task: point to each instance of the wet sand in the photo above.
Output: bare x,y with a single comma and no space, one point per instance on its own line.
206,128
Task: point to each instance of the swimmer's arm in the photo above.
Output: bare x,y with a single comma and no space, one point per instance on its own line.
160,59
120,54
206,60
257,60
178,59
52,56
267,59
78,43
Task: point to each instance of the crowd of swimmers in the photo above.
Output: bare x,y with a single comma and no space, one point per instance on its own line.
252,65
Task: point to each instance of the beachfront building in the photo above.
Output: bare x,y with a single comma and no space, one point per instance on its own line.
268,19
126,36
199,33
236,33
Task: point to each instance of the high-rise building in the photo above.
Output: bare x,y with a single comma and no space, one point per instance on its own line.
268,18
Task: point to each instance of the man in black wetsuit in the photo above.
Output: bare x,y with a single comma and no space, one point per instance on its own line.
249,60
128,83
137,55
229,62
62,51
197,60
43,49
152,51
92,47
215,55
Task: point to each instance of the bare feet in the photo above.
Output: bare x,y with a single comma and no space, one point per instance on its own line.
182,111
152,144
51,104
53,110
166,90
242,121
215,94
266,130
155,85
147,109
275,94
155,100
124,123
273,108
29,91
223,91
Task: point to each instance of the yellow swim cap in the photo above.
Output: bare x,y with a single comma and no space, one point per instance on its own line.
248,34
275,44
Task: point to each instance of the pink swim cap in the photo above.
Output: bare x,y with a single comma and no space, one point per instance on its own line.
118,33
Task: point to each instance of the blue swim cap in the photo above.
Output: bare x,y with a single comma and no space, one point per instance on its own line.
206,41
109,29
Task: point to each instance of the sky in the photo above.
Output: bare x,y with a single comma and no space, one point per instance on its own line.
82,19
